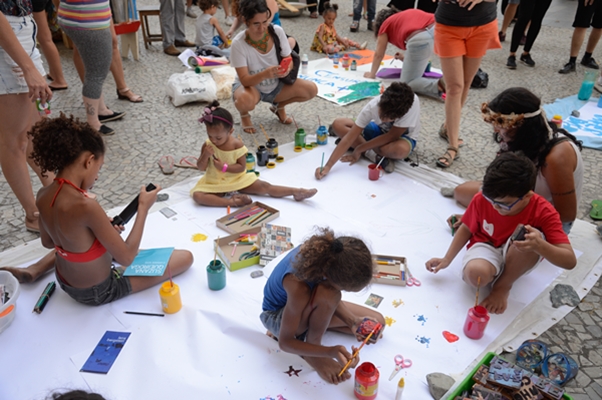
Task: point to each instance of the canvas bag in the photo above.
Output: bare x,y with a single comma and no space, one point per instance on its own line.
292,76
189,87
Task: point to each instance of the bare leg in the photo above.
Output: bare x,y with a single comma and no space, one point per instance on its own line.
398,150
46,180
97,106
49,50
264,188
577,40
179,262
33,272
594,38
215,200
226,8
298,92
117,70
508,16
464,192
245,100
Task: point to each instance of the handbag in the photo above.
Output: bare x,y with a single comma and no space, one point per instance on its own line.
480,80
292,76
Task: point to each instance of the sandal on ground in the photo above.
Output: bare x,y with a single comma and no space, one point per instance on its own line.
187,162
596,211
58,88
313,14
276,110
127,94
247,128
446,160
166,163
443,135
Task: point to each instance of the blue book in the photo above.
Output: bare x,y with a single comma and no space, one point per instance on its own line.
151,262
105,353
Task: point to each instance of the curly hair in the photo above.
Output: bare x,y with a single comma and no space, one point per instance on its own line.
207,4
76,395
345,261
510,174
328,7
247,9
532,135
396,100
58,142
220,115
382,16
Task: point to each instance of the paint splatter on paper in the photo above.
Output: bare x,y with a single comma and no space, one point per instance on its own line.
360,91
423,340
389,321
279,397
198,237
421,318
450,337
292,371
398,302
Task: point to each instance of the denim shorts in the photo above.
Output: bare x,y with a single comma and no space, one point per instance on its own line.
265,97
372,130
11,76
272,321
113,288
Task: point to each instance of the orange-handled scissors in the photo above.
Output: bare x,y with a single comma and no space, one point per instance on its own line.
400,363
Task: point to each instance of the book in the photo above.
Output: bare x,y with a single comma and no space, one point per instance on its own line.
105,353
150,262
273,241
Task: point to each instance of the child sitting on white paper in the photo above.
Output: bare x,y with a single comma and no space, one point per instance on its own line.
505,201
387,127
205,26
302,299
224,160
76,226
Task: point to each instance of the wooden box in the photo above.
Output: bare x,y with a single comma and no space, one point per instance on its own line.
247,217
390,274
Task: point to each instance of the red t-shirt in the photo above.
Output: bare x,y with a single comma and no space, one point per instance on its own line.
489,226
400,25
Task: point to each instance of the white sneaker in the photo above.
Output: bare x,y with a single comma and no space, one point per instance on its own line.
190,14
371,155
230,20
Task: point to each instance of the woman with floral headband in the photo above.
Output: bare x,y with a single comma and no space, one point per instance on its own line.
520,124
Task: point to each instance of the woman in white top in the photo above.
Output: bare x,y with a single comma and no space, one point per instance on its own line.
520,124
253,54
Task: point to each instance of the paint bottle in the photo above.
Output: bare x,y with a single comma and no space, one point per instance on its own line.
335,60
354,65
322,135
216,275
587,86
272,146
170,297
250,162
262,156
557,119
304,64
300,137
366,381
345,61
400,386
43,108
476,322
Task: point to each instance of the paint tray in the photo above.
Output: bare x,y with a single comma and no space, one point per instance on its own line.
467,382
236,222
390,274
224,250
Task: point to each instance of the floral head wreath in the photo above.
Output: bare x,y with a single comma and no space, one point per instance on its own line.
507,121
208,116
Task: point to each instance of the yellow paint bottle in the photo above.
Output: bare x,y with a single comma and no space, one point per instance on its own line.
170,297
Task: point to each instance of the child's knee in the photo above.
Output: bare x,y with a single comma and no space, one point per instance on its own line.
478,273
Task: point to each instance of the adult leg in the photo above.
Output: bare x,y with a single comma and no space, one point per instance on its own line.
508,17
123,91
371,13
48,177
34,271
167,18
179,262
419,51
594,38
264,188
298,92
189,12
49,50
541,7
464,192
245,100
577,41
179,16
525,12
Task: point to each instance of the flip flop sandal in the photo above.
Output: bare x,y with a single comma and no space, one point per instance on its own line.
559,368
596,212
443,135
166,163
287,121
531,354
187,162
446,160
132,98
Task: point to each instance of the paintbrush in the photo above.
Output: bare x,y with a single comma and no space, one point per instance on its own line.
265,133
169,270
297,126
322,165
476,303
256,142
357,351
378,165
215,254
319,122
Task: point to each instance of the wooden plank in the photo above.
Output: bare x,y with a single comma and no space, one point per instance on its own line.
289,7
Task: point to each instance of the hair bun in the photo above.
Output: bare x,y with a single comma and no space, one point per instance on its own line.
336,246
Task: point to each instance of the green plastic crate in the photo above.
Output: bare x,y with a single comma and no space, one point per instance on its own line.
467,383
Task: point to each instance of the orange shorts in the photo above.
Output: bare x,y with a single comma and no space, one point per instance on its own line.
469,41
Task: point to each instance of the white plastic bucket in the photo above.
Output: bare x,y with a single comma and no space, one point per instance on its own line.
8,310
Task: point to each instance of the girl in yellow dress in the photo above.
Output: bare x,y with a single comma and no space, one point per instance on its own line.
223,158
326,39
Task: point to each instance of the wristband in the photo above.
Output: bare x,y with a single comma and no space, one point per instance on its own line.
225,167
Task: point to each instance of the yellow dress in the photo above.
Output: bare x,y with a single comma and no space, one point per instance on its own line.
215,181
328,37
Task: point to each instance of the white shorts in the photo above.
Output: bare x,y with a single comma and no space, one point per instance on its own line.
485,251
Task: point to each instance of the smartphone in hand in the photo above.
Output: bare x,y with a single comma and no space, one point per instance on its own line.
284,64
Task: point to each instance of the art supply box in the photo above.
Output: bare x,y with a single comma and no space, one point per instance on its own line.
224,250
236,222
390,274
8,310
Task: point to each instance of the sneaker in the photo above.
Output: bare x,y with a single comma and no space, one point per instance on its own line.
171,51
511,63
355,26
190,14
568,67
527,60
106,131
370,25
230,20
371,156
591,63
387,164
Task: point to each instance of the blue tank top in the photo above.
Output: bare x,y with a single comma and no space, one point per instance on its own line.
274,295
276,19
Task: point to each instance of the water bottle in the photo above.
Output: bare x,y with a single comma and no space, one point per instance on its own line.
304,64
587,86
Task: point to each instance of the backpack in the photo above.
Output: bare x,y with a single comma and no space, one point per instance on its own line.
480,80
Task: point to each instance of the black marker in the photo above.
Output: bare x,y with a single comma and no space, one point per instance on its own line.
144,313
44,297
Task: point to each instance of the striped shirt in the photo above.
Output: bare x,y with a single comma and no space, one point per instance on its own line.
85,14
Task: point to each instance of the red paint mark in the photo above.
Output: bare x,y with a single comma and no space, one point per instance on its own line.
450,337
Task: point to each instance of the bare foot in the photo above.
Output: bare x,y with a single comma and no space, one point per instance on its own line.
328,369
22,274
239,200
497,301
303,194
270,334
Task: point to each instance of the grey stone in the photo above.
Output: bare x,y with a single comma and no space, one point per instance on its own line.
564,295
439,384
595,330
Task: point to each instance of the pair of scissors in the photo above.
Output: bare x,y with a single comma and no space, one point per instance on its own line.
400,363
411,281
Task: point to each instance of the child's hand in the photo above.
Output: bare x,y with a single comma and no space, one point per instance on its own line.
399,56
434,265
118,228
207,152
369,75
340,353
219,164
321,172
532,242
272,72
147,199
457,223
351,158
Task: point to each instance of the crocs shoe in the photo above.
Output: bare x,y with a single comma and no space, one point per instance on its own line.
559,368
531,354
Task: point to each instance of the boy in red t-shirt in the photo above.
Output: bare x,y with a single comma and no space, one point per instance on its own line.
506,200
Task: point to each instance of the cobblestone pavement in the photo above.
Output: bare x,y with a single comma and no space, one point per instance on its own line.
154,128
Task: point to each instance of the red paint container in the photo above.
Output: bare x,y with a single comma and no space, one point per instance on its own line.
366,381
476,322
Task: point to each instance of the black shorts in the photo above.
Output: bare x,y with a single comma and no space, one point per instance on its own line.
39,5
588,16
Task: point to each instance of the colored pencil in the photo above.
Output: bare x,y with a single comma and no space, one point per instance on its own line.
357,351
144,313
255,218
257,222
453,222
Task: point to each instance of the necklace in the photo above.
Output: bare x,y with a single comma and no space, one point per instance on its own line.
261,44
